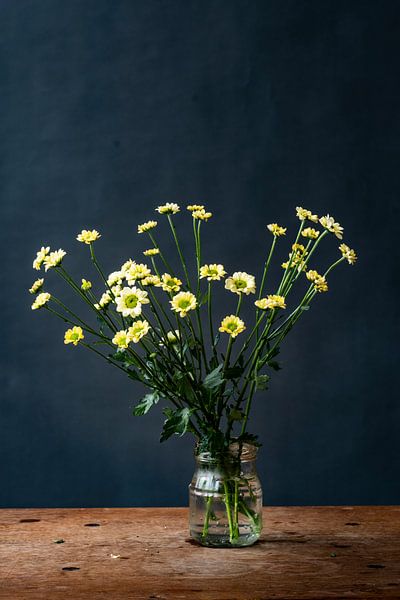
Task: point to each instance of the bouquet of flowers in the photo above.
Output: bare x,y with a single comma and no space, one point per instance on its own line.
158,325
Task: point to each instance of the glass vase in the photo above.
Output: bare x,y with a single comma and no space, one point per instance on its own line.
225,498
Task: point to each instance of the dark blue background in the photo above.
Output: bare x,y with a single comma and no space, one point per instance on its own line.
111,107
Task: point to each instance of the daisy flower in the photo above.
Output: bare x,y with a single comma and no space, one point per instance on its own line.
201,214
232,325
348,254
193,207
86,285
151,280
310,233
183,302
146,226
170,284
87,236
304,214
36,286
40,256
329,223
53,259
121,339
170,208
213,272
129,301
151,252
276,229
319,281
137,271
115,278
241,283
73,336
138,330
41,300
271,301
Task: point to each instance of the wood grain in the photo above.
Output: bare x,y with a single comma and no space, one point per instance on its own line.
128,554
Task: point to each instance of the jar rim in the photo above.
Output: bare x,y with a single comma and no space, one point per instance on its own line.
244,451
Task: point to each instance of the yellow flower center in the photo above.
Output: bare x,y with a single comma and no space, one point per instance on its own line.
241,284
184,303
131,301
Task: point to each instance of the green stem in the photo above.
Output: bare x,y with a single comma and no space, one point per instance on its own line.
172,226
266,267
292,253
207,517
164,260
210,321
228,511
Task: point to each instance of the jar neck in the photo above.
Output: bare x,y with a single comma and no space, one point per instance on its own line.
235,453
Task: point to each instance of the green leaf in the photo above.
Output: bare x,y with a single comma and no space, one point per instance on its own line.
177,422
203,299
262,382
145,405
233,372
235,415
214,379
305,308
213,363
132,374
274,365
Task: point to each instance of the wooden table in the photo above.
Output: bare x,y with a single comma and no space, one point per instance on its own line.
145,553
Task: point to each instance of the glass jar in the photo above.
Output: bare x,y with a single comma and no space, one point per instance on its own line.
225,498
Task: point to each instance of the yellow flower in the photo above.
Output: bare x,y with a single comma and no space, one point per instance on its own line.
40,256
104,300
116,289
53,259
319,281
232,325
170,284
146,226
41,300
151,280
304,214
173,336
296,258
312,275
86,285
183,302
115,278
241,283
321,284
136,271
126,266
36,286
329,224
87,236
130,300
271,301
348,254
276,230
121,339
193,207
170,208
213,272
151,252
73,336
299,249
310,233
138,330
201,214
